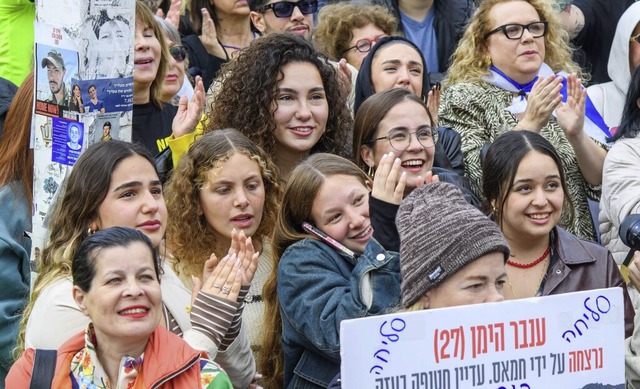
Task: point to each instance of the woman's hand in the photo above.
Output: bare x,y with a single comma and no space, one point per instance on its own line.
173,14
344,76
542,100
209,37
428,178
570,115
189,114
242,247
224,282
433,103
389,180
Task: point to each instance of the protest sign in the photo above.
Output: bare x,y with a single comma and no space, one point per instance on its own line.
564,341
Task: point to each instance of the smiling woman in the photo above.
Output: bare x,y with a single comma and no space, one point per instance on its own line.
510,71
299,112
525,187
347,273
116,277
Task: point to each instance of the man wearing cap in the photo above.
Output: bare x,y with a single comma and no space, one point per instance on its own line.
56,71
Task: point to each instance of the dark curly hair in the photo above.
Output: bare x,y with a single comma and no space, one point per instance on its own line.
245,98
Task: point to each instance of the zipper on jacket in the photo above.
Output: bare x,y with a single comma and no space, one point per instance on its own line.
176,373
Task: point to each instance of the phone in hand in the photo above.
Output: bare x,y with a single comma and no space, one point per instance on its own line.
328,240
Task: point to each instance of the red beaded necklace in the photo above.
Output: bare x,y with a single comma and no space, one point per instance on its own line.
532,264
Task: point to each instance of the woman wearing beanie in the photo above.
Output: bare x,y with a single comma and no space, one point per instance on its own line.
450,253
330,268
525,187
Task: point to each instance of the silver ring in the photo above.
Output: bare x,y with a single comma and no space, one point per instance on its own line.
225,290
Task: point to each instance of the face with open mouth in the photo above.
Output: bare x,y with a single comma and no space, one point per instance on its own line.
417,158
301,108
233,196
341,210
124,301
534,203
146,54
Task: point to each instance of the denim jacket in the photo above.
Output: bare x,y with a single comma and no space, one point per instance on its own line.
317,289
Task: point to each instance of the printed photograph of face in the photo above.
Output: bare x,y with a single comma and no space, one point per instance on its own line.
74,134
54,71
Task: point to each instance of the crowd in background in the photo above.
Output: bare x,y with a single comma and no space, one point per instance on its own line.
295,164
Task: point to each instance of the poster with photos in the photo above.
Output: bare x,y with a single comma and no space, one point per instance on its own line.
84,91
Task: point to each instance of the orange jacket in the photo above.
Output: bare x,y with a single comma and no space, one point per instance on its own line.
169,363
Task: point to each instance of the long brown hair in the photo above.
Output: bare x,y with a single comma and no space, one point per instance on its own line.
84,190
144,16
302,187
16,157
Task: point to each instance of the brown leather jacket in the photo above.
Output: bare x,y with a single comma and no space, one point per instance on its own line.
584,265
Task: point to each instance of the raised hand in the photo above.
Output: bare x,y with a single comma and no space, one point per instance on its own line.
433,103
209,37
224,282
542,100
242,247
428,178
389,180
570,115
189,113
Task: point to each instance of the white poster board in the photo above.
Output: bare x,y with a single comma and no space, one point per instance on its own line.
565,341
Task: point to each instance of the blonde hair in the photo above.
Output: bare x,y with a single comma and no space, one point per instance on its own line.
469,62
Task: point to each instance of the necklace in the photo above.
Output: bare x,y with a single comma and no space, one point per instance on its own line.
544,271
532,264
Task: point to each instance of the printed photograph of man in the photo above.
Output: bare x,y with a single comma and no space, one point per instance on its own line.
74,133
56,70
95,105
106,131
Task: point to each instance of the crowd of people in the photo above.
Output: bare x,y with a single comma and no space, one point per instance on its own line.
296,164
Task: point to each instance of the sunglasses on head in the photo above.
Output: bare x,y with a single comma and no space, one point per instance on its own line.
284,9
179,53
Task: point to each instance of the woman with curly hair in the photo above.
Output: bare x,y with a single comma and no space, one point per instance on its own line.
347,30
225,183
508,73
284,96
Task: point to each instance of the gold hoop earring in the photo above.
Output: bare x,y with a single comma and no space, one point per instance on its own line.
371,171
488,60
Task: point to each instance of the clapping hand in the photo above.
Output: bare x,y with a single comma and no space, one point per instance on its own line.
570,115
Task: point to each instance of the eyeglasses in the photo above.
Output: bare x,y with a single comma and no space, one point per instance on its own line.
401,139
179,53
635,39
364,45
284,9
515,30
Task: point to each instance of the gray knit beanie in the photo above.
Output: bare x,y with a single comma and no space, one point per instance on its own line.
439,234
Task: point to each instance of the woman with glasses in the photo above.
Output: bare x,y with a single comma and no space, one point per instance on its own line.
624,58
176,82
397,122
347,30
508,74
395,62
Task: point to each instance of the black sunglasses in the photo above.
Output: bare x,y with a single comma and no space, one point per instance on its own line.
179,53
284,9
